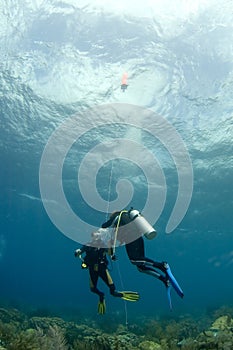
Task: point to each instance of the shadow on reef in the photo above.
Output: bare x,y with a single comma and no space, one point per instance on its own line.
19,331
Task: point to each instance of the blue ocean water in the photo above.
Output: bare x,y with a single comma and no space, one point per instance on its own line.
59,60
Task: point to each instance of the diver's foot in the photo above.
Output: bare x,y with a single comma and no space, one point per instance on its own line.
166,281
165,265
115,293
173,282
101,297
101,307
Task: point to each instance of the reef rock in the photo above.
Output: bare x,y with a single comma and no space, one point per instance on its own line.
149,345
223,323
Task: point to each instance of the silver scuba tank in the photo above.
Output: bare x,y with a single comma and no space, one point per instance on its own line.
141,225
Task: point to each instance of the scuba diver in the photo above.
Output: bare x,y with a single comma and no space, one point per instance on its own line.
95,260
124,84
129,228
124,87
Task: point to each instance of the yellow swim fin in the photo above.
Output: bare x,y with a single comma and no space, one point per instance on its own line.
101,307
129,296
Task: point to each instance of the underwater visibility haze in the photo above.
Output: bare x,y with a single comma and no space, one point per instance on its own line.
64,60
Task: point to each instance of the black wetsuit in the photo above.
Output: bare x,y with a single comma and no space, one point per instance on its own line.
97,263
135,249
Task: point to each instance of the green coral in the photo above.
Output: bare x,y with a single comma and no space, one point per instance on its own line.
12,316
46,322
37,339
7,331
25,340
223,323
149,345
153,329
21,332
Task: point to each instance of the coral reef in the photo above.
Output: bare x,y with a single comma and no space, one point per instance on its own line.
149,345
19,331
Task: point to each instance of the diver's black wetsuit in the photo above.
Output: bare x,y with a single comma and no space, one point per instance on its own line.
97,263
136,250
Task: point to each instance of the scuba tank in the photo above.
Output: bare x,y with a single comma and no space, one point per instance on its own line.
141,225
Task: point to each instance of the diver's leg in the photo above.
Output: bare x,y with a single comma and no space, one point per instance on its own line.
145,265
164,267
158,265
150,263
94,275
126,295
173,281
150,271
106,277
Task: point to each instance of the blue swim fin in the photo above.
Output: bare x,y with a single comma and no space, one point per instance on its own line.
168,288
174,282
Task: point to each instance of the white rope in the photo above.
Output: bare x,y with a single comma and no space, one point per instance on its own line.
109,191
125,302
118,267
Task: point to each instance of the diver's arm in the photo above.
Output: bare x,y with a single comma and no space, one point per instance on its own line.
111,254
110,221
79,252
107,223
110,251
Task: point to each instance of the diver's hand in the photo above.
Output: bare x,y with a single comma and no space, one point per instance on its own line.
113,257
77,253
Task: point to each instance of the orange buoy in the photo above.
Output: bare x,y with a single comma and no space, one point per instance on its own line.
124,82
